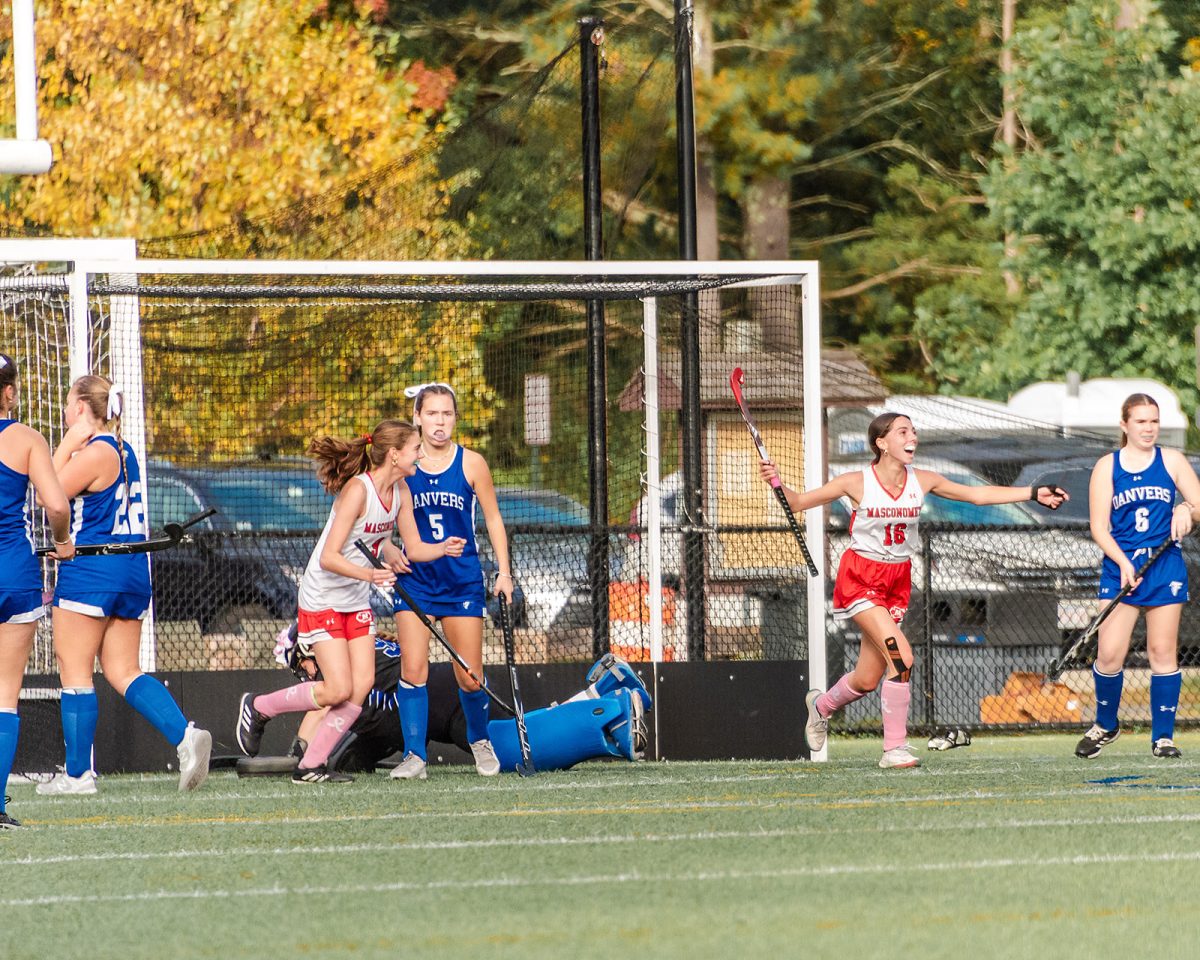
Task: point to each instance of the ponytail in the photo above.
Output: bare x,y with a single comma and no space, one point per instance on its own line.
339,460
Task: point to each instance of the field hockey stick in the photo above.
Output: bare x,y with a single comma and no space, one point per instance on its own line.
1058,665
173,535
390,597
737,380
525,768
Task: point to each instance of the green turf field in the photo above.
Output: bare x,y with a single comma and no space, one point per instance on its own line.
1007,848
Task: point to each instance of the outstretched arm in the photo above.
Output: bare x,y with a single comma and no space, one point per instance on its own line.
847,485
1048,496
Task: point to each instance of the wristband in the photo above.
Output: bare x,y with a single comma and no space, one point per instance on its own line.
499,575
61,543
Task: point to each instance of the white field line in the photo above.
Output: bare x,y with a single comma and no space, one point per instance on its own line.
648,807
714,876
705,836
532,788
786,771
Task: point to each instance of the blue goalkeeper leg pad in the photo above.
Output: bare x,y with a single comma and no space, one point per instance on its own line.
569,733
611,673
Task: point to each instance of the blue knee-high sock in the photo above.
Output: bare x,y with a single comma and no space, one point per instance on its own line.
412,701
79,710
1108,697
1164,699
152,700
10,725
475,709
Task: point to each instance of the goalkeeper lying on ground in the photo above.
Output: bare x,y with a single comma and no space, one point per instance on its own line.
605,719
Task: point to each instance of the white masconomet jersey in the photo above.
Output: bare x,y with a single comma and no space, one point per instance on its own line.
884,527
322,590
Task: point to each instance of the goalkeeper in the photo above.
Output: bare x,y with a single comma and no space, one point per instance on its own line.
605,719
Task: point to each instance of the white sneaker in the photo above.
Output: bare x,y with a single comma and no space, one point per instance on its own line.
194,751
486,761
411,767
816,728
61,785
899,758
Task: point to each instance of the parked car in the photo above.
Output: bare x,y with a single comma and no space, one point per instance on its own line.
549,538
246,560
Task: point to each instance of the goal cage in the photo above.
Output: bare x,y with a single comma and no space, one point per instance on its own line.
231,368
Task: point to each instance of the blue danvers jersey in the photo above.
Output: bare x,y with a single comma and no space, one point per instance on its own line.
21,570
113,515
1141,504
444,504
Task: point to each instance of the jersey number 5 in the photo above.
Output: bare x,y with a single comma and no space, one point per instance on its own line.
894,533
436,530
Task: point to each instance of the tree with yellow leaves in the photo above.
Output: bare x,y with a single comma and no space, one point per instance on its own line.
176,117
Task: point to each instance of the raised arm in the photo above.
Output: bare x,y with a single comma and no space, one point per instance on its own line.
847,485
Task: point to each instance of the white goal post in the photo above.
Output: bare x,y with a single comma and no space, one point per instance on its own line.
83,262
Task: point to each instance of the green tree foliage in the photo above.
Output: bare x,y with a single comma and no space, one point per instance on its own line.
1104,201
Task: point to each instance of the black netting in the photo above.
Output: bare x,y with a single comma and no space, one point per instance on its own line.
235,389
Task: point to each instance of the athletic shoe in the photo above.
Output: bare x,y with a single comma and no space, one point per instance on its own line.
250,726
411,767
1165,747
1096,739
61,785
899,758
7,822
816,728
321,774
194,750
486,762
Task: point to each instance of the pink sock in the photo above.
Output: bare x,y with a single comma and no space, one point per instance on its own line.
894,697
337,721
840,694
288,700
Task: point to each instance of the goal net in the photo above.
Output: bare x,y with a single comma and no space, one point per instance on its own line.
239,365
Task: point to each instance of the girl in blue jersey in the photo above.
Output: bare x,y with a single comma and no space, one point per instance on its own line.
24,459
100,601
1132,504
450,482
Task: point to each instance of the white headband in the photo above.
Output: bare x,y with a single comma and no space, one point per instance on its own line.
114,400
3,362
413,392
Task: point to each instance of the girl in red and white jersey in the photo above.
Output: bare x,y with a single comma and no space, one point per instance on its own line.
874,575
367,475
